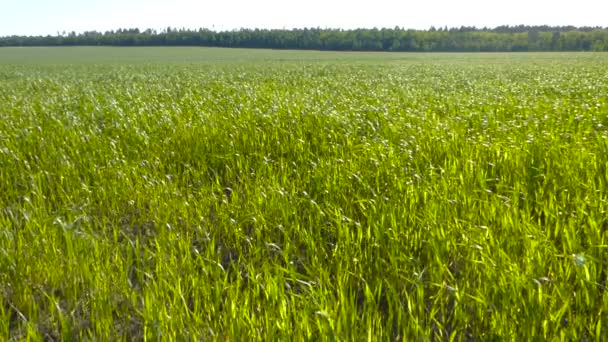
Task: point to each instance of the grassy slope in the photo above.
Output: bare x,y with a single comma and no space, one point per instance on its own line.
280,194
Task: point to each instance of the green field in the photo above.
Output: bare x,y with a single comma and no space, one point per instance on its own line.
214,194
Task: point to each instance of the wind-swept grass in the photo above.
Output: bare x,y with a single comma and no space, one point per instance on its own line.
323,198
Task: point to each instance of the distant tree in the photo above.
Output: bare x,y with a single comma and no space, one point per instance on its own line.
555,41
501,38
533,37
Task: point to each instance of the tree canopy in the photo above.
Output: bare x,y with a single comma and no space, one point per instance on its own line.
463,39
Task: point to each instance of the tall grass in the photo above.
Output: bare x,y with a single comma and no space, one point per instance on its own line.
423,198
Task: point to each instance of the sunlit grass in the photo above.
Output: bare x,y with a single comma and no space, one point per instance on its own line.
322,198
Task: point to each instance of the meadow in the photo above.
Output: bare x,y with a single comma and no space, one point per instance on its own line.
217,194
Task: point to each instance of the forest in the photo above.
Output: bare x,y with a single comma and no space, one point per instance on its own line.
443,39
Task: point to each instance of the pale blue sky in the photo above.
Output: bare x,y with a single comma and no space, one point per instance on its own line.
41,17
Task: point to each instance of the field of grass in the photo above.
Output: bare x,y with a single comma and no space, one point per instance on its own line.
189,193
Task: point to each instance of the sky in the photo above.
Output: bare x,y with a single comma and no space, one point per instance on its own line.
44,17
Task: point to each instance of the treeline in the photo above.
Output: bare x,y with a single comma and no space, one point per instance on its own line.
463,39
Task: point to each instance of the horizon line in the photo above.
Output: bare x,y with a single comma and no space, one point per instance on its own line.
141,30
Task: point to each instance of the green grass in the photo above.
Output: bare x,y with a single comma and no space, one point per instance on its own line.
190,194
